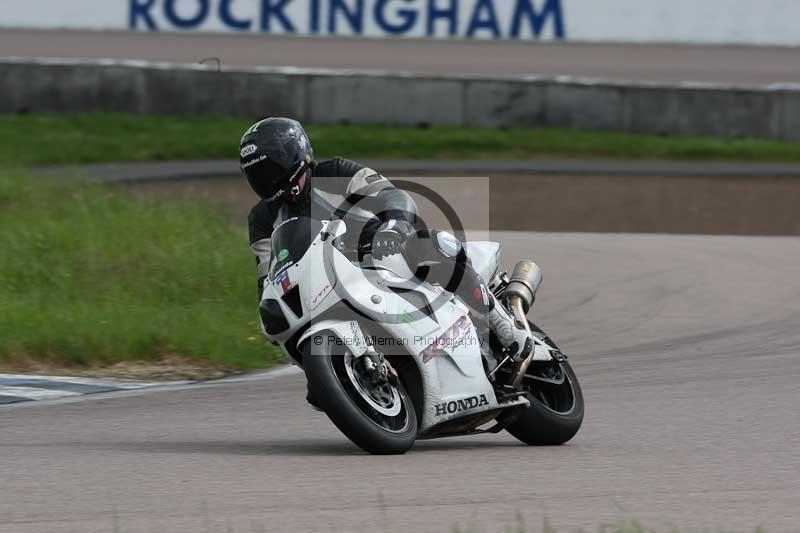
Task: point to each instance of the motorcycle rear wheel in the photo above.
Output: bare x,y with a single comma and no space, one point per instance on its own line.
556,411
380,420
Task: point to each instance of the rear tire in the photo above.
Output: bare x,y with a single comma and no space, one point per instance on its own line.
556,411
543,425
386,425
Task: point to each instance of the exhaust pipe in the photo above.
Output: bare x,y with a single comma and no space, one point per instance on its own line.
521,293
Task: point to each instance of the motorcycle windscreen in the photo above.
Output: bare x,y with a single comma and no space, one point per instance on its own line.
291,240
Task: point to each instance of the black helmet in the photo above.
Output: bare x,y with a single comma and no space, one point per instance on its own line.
276,157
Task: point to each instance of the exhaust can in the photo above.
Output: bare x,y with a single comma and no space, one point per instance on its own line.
524,283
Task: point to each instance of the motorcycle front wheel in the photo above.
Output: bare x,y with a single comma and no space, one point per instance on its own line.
379,419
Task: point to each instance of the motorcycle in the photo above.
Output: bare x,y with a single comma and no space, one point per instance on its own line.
391,359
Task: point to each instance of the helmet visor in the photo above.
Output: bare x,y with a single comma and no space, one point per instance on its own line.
264,176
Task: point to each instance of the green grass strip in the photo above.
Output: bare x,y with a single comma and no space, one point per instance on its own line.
44,139
91,277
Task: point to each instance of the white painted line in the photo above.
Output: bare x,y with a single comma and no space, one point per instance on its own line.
158,387
273,373
118,383
32,393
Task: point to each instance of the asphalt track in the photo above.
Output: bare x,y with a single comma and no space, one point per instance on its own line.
688,349
655,63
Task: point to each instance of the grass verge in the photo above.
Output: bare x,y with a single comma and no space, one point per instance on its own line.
44,139
89,277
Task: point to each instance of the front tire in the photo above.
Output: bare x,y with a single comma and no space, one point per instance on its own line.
378,421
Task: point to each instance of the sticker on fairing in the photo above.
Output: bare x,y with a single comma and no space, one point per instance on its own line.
320,295
447,341
284,281
283,254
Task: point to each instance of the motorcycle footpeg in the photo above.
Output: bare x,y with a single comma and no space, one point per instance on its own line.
508,393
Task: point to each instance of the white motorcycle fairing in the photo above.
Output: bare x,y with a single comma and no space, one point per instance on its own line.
485,257
442,342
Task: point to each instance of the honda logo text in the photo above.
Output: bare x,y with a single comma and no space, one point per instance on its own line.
456,406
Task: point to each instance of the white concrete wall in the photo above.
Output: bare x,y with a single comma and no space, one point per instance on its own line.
691,21
325,96
775,22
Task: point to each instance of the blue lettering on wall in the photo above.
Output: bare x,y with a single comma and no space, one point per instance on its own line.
449,13
525,8
228,19
275,8
467,19
140,9
408,16
314,16
483,18
354,17
186,23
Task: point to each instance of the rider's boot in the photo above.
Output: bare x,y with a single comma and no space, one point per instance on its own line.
484,336
513,337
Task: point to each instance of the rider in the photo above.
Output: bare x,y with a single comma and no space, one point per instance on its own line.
278,161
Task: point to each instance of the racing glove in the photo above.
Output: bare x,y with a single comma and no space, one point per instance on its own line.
390,237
